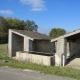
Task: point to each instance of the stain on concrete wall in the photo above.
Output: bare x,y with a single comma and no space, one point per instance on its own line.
17,44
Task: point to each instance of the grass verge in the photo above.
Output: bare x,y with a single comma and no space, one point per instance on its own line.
60,71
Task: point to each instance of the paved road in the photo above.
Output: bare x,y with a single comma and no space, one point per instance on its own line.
7,73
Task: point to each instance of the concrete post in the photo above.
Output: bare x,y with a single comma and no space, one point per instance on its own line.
26,44
10,44
68,49
61,49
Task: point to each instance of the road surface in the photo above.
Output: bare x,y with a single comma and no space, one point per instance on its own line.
7,73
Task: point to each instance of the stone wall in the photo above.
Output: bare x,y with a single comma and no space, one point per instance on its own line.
17,44
43,46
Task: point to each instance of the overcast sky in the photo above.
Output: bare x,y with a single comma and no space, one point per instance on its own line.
47,14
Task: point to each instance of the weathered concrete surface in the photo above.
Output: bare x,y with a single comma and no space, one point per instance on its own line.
10,44
68,49
26,43
43,46
74,48
71,47
20,42
35,58
17,42
60,50
7,73
74,62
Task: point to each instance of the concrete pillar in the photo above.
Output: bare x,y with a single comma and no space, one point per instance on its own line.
26,43
30,45
68,49
60,50
10,44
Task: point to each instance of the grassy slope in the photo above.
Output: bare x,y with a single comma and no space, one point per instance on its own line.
60,71
3,50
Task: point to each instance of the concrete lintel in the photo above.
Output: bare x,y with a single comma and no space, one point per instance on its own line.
20,34
29,38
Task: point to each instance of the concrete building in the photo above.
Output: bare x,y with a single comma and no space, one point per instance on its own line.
66,46
63,47
23,40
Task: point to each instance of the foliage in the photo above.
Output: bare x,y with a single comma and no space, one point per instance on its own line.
21,24
56,32
53,70
14,23
4,26
30,25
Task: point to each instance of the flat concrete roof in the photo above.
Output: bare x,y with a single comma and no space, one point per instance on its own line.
71,35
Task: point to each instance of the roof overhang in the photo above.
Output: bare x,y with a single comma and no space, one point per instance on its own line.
70,36
10,30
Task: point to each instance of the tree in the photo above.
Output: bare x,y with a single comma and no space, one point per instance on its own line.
21,24
56,32
3,30
16,23
30,25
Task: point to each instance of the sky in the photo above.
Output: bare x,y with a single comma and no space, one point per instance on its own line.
47,14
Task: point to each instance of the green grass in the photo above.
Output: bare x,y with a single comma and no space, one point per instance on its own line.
60,71
3,50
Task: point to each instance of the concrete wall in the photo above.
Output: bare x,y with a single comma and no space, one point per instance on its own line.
54,47
10,44
26,43
17,44
66,48
34,58
60,51
43,46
